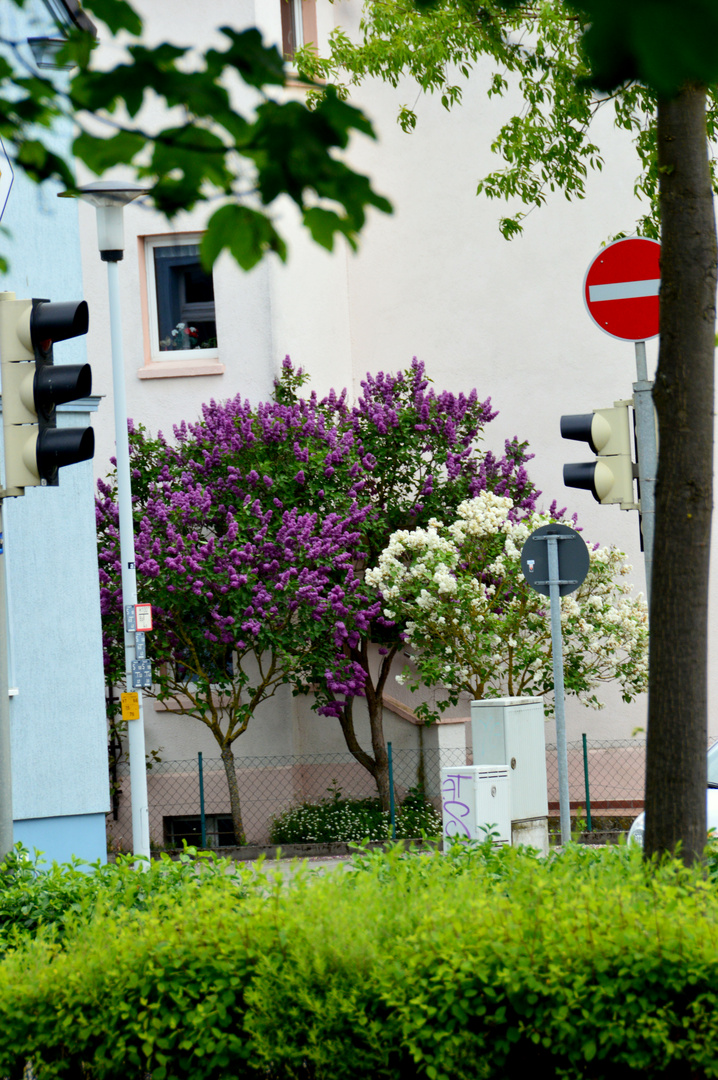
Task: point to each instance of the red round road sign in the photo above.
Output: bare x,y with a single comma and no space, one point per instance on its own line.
620,289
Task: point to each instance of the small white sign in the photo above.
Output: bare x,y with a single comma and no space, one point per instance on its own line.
143,616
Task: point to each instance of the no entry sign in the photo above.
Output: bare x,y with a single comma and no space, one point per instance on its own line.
621,289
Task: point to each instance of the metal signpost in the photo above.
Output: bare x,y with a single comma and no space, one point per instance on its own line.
555,561
109,197
621,293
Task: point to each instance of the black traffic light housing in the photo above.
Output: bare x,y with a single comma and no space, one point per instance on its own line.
33,387
56,385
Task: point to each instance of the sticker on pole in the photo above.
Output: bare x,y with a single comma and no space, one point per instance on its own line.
143,616
573,559
621,289
141,673
130,706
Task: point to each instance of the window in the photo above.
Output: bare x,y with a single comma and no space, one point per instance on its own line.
217,661
218,827
180,300
292,27
299,25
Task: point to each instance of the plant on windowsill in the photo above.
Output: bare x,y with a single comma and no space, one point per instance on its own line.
185,337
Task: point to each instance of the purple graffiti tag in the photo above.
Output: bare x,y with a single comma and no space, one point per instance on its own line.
452,786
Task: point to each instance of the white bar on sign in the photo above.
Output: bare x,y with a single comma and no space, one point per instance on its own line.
624,290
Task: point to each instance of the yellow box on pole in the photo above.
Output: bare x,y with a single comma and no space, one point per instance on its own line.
130,706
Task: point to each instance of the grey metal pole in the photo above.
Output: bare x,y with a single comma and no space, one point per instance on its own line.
202,818
6,824
557,653
392,807
589,827
135,728
647,451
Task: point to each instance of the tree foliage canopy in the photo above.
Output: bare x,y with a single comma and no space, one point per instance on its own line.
556,54
253,530
204,146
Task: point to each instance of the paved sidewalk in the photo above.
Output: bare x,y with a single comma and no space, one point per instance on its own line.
289,867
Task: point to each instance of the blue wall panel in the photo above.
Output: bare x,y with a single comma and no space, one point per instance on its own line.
57,715
59,838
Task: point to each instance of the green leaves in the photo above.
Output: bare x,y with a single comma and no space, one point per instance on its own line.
288,147
552,53
661,43
247,234
210,148
457,966
117,15
102,154
291,148
256,64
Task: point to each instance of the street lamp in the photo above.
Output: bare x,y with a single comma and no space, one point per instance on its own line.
109,197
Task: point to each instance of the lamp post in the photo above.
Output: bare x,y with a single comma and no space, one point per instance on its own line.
109,197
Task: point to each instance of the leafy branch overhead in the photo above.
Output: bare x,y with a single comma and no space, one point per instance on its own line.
244,159
568,61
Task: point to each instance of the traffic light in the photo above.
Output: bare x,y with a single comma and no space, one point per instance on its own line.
33,386
608,433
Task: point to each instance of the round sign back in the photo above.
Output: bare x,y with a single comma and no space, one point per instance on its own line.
573,559
621,286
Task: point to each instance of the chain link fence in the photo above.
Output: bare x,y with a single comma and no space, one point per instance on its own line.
616,776
180,793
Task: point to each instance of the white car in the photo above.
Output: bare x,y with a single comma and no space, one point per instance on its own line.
638,827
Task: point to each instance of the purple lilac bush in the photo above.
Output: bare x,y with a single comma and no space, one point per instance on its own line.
254,527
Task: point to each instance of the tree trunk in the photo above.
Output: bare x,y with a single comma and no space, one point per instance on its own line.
683,394
378,765
231,774
375,706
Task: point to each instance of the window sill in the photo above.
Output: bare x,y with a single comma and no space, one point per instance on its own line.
294,82
173,369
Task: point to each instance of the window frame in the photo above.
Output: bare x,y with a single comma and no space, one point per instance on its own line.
302,15
157,355
213,830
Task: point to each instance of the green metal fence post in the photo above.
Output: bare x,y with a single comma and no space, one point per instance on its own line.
203,822
585,778
392,809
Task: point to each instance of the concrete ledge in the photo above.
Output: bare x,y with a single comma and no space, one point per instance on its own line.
252,852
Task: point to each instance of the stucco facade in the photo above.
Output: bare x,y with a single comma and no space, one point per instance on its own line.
436,280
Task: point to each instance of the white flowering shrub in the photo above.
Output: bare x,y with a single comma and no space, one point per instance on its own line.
338,820
473,624
331,822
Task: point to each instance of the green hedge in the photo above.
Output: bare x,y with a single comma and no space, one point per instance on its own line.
33,896
455,967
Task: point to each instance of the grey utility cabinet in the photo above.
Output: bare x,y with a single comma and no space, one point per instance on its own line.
511,731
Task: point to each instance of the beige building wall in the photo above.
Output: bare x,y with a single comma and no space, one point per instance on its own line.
436,280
